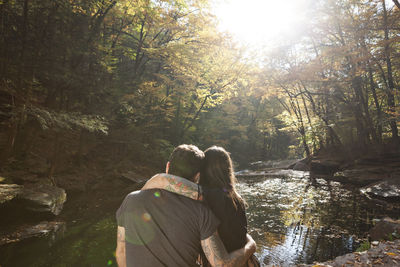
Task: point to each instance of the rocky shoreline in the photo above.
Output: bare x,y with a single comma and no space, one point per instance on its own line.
376,177
385,253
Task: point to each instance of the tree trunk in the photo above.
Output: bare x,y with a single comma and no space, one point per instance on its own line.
302,131
377,105
314,139
362,134
390,96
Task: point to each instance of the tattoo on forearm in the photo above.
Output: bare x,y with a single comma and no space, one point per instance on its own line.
214,250
216,253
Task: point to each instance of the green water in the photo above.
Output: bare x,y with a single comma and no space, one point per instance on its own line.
90,243
293,220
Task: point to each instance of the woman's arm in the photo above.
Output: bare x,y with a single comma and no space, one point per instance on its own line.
174,184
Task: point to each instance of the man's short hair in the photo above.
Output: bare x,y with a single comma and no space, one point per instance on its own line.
186,161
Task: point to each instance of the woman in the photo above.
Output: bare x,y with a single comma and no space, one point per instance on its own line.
217,189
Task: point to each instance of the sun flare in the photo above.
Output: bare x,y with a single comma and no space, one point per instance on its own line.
257,22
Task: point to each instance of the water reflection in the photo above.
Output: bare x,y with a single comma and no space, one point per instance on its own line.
295,219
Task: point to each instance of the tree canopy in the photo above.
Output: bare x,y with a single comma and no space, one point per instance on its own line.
89,80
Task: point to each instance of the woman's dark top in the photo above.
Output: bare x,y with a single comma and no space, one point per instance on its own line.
233,227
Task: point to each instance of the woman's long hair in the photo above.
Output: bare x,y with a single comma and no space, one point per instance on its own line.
217,172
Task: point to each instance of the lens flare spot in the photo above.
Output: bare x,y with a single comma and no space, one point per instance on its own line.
157,194
146,217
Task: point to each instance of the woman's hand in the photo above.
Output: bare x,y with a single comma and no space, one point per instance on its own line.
251,244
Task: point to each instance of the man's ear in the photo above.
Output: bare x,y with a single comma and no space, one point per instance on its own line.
196,178
167,167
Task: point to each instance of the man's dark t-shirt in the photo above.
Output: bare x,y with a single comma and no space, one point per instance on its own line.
163,228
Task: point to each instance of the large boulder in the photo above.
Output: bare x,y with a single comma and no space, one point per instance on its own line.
44,198
386,190
361,176
385,229
9,192
320,166
301,166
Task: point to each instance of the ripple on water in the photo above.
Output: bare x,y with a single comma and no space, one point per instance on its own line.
298,220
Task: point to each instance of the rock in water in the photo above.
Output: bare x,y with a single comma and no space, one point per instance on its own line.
300,166
9,192
41,229
385,229
387,190
319,166
44,198
360,177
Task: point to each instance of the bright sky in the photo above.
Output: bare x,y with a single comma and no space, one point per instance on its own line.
260,22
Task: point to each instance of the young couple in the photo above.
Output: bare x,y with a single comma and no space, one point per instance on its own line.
191,215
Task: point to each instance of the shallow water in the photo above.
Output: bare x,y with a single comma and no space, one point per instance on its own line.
292,218
298,220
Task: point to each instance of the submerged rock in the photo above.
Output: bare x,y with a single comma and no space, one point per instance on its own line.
9,192
44,198
41,229
385,229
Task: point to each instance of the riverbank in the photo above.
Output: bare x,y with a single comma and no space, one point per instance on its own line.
376,175
386,253
23,218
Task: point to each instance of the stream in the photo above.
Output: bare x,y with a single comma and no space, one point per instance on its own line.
292,218
298,220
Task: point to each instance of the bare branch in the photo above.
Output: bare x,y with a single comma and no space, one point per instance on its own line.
396,2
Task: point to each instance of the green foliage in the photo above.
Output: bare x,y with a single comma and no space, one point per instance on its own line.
364,246
154,74
50,120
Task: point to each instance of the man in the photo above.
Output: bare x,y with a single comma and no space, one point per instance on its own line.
160,228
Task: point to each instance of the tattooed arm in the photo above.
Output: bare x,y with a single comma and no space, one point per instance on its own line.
120,252
217,255
174,184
